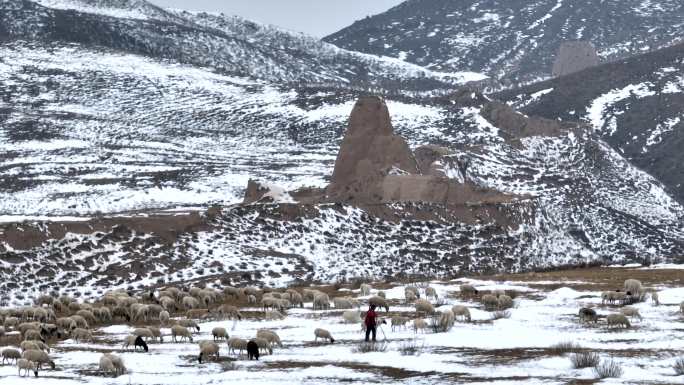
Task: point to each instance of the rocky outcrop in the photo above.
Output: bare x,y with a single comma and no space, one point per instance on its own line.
375,165
574,56
515,126
265,193
369,151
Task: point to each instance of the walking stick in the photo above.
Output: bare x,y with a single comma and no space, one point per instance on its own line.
383,333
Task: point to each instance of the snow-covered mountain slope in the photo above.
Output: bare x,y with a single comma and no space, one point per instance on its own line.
636,105
225,44
515,41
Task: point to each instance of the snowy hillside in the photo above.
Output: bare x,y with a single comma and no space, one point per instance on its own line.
225,44
634,104
512,40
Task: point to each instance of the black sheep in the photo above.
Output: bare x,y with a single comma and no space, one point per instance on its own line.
140,342
252,350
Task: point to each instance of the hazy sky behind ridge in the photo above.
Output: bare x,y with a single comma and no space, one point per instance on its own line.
314,17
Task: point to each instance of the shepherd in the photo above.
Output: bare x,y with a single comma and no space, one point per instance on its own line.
371,322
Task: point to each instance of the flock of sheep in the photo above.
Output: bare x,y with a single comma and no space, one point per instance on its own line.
53,319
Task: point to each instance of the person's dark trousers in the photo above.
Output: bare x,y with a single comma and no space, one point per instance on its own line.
370,329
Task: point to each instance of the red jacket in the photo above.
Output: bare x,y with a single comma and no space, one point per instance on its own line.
370,318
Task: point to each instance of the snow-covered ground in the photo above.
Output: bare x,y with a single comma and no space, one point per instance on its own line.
512,350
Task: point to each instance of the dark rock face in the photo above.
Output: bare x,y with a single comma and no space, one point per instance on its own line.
635,105
514,41
574,56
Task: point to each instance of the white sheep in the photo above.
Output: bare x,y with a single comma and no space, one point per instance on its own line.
27,366
270,335
251,299
617,320
461,311
446,320
505,302
399,322
35,345
490,302
219,333
430,292
379,302
144,333
631,312
468,290
351,316
263,344
321,301
343,303
164,317
423,306
10,354
80,334
365,289
324,334
180,331
236,344
273,315
654,298
39,357
381,294
156,333
208,349
419,324
410,296
118,363
106,365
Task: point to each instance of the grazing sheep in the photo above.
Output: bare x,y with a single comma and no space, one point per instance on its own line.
351,316
468,290
10,354
156,334
135,341
634,287
270,303
263,344
490,302
229,312
190,302
343,303
80,321
461,311
412,289
446,320
80,335
188,323
35,345
168,303
11,322
296,299
419,324
399,322
273,315
238,344
588,315
230,291
33,335
39,357
197,314
144,333
88,316
424,306
103,314
207,349
321,301
27,366
365,289
631,312
44,300
252,350
617,320
219,333
324,334
183,332
379,302
118,363
505,302
271,336
430,292
26,326
654,298
164,317
410,296
381,294
106,365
